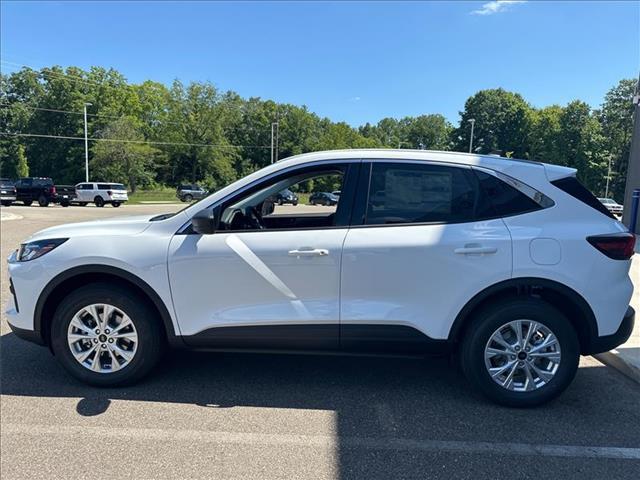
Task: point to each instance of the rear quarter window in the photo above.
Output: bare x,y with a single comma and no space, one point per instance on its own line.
573,187
501,199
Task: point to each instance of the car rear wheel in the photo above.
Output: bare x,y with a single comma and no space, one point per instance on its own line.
99,201
188,198
106,336
115,204
43,201
6,203
82,204
520,353
27,203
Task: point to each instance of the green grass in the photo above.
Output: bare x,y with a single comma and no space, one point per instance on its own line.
157,195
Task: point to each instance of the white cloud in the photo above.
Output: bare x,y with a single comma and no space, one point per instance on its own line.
495,6
354,99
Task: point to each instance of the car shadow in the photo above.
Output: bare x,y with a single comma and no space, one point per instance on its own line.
371,397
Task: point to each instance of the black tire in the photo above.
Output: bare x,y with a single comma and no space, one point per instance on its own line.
43,201
295,203
490,319
150,339
6,203
115,204
64,204
188,198
27,203
99,201
280,202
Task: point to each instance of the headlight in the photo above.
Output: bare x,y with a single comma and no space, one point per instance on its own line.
33,250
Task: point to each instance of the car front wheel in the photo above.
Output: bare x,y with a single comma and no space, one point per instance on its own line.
105,336
520,353
43,201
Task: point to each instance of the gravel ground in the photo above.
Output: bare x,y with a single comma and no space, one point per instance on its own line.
269,416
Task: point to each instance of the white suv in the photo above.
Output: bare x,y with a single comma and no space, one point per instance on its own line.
512,265
101,194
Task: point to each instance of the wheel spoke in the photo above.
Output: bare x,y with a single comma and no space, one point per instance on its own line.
127,335
549,341
509,380
77,323
551,356
115,364
533,326
74,337
497,371
545,376
517,326
531,383
492,352
126,321
126,354
82,356
95,365
499,339
106,315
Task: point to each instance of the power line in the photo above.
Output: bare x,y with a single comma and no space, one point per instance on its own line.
66,76
7,105
184,144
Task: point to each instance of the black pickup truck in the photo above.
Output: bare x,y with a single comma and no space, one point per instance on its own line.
43,191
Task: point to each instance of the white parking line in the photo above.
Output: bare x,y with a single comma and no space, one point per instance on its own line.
327,441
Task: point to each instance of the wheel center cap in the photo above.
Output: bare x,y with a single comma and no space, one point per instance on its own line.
522,356
102,338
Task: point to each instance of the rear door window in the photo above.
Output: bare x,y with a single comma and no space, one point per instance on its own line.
405,193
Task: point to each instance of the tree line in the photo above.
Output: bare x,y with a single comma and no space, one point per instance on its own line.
148,134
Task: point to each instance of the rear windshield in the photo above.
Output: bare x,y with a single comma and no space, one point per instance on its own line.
573,187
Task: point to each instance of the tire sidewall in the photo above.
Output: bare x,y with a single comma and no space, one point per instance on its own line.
488,321
149,338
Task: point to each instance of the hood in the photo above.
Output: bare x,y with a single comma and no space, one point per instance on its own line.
116,226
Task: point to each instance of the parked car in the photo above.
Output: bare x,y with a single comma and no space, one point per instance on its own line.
101,194
336,193
323,198
7,192
490,259
65,195
286,196
613,206
39,189
190,192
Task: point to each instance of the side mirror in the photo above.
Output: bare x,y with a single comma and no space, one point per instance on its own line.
205,221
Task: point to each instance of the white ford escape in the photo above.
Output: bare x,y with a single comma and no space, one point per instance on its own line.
513,265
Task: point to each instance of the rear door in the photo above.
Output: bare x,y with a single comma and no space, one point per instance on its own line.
423,248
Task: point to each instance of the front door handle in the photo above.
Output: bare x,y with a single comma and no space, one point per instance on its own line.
475,249
316,252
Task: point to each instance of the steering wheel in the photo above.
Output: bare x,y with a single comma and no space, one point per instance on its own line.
254,219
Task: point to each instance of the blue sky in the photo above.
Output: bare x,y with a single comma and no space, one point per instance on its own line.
352,61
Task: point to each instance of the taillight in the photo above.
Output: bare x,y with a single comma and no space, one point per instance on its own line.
618,246
109,192
53,190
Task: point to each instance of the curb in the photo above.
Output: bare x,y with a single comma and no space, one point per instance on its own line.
613,359
5,216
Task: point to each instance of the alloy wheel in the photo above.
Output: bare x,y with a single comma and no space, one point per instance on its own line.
102,338
522,355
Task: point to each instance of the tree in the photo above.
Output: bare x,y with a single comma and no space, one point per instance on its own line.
22,167
502,122
119,158
616,118
545,135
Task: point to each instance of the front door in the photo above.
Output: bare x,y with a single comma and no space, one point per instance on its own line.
269,277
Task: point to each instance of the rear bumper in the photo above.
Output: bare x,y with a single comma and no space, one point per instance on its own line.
609,342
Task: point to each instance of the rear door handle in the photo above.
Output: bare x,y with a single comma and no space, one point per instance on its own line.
475,249
316,252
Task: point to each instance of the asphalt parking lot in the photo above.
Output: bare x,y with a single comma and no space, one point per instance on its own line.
218,415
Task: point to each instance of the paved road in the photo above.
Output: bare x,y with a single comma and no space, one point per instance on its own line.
250,416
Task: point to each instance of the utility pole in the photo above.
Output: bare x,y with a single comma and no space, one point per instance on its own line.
473,124
606,188
272,151
86,145
274,141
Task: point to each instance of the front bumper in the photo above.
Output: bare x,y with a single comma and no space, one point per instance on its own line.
609,342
